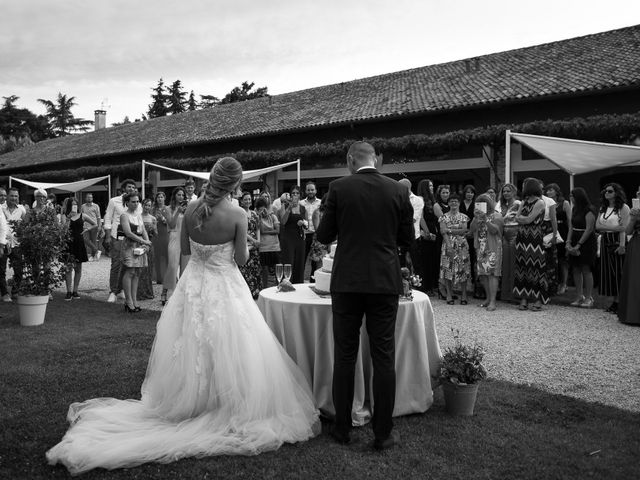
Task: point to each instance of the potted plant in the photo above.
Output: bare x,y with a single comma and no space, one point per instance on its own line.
43,240
461,370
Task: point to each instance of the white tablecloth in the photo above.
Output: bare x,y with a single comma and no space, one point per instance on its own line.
302,322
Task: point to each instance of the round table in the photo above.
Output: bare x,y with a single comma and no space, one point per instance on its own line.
302,322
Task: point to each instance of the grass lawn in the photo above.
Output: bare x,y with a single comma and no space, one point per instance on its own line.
89,349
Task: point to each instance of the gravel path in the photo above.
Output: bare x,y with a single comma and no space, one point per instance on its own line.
586,354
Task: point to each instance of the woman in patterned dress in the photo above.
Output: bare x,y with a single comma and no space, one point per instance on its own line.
175,216
530,282
440,207
145,284
455,267
508,208
487,232
251,271
611,223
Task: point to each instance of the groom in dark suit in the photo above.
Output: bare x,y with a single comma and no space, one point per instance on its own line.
371,216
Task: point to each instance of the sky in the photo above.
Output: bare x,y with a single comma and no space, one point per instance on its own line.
109,54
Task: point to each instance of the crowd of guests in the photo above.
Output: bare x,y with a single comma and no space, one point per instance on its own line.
521,247
495,245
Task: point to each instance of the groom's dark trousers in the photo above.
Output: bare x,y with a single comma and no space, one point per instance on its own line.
380,311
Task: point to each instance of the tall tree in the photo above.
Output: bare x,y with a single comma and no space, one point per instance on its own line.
176,100
159,106
61,118
191,103
242,93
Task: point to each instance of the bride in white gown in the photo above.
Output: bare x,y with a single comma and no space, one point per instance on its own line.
218,382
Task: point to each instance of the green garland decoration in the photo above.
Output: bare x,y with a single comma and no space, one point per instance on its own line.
611,128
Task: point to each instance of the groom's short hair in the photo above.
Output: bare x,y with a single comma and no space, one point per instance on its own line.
361,152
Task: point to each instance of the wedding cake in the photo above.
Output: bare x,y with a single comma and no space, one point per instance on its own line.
323,275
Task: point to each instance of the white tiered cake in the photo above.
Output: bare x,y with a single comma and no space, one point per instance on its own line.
323,275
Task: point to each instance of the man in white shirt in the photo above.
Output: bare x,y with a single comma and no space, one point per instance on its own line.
310,203
190,188
418,206
115,209
11,211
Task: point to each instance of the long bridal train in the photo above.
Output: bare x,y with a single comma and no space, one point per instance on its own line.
217,383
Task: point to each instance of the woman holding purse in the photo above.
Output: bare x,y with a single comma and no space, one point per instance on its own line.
134,249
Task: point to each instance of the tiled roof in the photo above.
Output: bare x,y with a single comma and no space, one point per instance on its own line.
597,62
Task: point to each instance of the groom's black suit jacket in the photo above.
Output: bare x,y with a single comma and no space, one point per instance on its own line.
371,216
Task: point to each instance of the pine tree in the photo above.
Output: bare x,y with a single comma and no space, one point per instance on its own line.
191,103
176,98
159,106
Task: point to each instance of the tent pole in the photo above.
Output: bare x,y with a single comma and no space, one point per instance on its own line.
109,188
507,157
571,182
10,177
143,197
298,183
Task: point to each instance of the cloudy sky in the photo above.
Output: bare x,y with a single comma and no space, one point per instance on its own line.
112,52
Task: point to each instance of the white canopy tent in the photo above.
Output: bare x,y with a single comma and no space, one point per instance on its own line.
573,156
68,187
246,175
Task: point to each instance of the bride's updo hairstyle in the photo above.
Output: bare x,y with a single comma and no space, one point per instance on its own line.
224,178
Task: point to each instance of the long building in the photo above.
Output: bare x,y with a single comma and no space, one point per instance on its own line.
445,122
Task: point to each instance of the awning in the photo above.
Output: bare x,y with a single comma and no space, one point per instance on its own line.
69,187
246,175
580,156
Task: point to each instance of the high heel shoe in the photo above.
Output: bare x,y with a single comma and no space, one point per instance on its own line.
128,309
137,309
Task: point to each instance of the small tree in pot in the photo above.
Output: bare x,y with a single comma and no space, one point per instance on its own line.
461,370
43,241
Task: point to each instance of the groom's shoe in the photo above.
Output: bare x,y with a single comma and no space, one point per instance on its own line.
339,437
387,443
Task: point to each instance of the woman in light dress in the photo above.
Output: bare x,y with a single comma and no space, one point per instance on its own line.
135,245
218,382
175,215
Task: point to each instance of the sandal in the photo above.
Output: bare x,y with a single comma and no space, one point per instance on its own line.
483,305
463,302
491,308
449,302
523,307
536,308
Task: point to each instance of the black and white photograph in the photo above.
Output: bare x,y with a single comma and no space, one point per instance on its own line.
323,240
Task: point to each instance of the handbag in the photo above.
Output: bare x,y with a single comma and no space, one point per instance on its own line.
546,240
137,251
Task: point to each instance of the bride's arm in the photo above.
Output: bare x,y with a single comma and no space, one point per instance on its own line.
185,246
241,254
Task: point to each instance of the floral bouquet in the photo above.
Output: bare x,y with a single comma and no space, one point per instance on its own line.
408,282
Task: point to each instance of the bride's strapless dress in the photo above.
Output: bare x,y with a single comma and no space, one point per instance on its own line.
217,383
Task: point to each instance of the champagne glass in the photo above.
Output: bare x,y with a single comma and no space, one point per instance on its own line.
279,272
287,271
